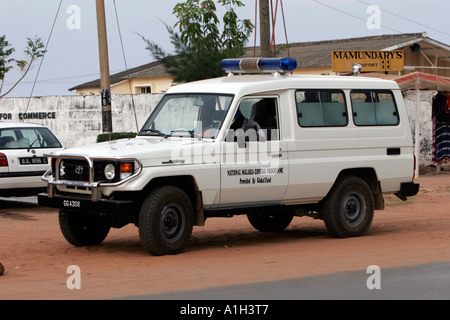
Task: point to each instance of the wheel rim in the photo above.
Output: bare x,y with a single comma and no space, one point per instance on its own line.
353,208
172,222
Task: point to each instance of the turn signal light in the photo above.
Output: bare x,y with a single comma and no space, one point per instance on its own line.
126,167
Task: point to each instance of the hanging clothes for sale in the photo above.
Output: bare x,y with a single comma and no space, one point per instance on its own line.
447,105
441,128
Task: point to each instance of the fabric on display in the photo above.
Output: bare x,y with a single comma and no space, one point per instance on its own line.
441,128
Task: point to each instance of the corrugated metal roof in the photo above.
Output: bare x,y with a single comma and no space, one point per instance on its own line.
318,54
149,70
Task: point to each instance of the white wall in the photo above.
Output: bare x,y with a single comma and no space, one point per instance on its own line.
77,120
425,120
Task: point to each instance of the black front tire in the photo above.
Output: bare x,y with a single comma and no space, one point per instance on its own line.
83,229
166,221
349,207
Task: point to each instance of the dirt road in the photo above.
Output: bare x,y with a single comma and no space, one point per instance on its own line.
224,252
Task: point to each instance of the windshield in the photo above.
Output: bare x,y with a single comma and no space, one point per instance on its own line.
188,115
27,138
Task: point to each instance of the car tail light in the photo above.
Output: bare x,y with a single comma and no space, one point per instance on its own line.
414,170
3,160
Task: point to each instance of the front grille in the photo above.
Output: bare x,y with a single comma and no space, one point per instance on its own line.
74,170
78,170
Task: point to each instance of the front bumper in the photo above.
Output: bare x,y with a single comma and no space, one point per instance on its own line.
86,205
407,189
90,184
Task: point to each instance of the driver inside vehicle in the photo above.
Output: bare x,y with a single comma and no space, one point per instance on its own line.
246,127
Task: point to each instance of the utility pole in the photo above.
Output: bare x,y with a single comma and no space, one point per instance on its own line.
105,83
264,26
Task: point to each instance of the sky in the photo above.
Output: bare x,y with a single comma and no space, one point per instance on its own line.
72,47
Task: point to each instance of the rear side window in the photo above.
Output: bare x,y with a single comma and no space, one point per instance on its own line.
321,108
374,108
24,138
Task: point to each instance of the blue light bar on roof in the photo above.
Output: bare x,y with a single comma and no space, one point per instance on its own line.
258,65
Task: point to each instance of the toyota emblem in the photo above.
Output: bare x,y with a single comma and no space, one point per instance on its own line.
79,170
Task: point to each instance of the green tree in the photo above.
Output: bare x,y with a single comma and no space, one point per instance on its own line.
33,51
200,45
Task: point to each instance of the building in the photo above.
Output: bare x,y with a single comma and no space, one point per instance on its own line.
421,54
149,78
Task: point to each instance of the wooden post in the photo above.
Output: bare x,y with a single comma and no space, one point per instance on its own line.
264,27
104,67
417,129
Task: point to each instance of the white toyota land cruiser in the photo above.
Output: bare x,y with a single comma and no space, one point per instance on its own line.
269,146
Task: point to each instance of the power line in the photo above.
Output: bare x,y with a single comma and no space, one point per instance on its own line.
40,64
409,20
126,65
351,15
61,80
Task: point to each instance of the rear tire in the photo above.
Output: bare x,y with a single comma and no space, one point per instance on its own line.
349,207
166,221
83,229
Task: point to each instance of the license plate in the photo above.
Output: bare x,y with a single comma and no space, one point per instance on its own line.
72,203
35,160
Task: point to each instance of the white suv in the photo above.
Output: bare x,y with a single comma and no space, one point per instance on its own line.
22,159
269,146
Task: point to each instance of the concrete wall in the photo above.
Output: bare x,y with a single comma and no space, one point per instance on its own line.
77,120
425,120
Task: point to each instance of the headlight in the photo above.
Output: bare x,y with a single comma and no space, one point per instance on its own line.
110,171
62,169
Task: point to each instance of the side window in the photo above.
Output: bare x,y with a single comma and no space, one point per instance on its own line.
374,108
321,108
259,114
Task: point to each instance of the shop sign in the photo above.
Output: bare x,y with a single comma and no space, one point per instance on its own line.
370,60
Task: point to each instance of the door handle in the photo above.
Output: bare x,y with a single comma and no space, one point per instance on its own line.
277,155
393,151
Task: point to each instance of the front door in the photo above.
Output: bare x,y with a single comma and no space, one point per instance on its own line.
254,166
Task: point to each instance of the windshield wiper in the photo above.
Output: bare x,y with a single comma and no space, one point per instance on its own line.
31,145
191,132
158,132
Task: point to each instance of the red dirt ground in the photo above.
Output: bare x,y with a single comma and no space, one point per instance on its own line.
224,252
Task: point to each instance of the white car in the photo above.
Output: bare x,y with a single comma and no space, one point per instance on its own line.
22,160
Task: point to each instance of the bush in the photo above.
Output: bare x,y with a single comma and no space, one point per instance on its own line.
115,136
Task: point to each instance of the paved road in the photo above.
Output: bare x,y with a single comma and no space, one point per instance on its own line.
420,282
